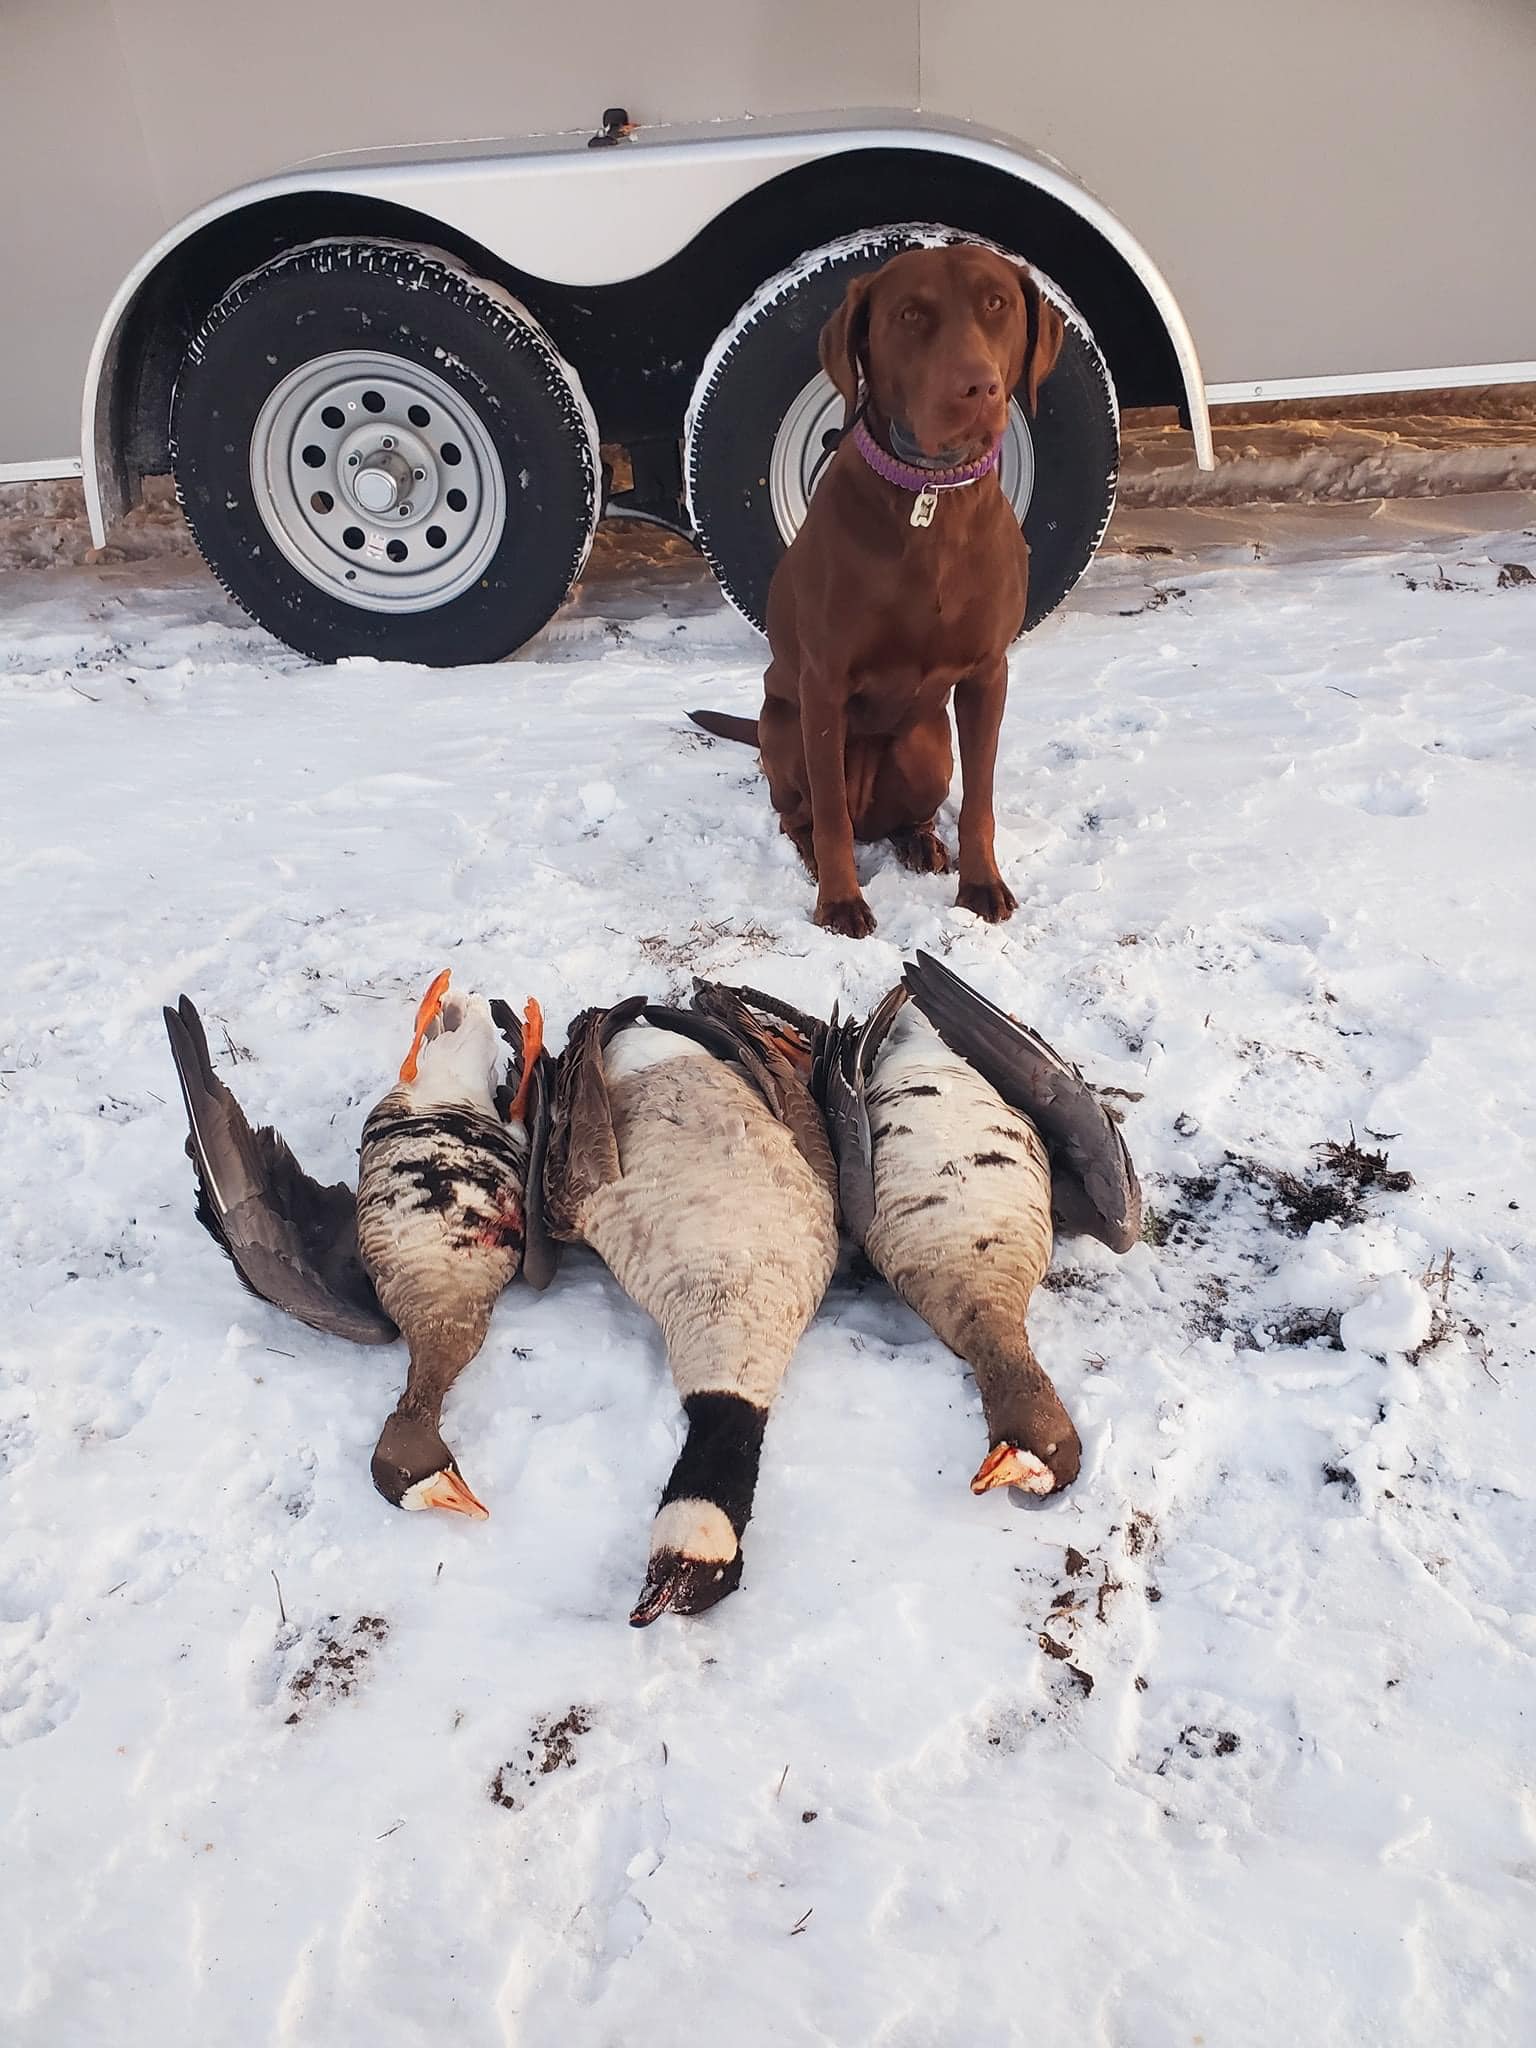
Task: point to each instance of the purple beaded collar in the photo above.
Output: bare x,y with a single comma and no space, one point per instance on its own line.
908,477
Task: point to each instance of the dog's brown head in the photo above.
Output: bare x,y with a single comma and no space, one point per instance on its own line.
942,338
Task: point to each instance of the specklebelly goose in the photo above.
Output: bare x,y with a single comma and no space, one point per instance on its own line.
448,1208
687,1151
957,1132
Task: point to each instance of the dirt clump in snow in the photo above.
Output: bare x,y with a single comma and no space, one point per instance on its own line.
1341,1476
1067,1280
552,1746
1298,1326
1182,1222
339,1663
1333,1191
1204,1742
1210,1316
1140,1533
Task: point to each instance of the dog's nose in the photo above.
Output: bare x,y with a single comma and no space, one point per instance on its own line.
979,380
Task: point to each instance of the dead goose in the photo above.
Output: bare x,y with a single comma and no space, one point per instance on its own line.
435,1232
688,1152
957,1131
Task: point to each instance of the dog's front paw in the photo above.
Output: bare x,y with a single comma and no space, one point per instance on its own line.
849,916
993,901
921,850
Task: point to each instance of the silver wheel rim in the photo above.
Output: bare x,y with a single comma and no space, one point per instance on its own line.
378,481
808,433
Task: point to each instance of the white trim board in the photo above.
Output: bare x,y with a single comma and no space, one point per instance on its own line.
1460,376
39,472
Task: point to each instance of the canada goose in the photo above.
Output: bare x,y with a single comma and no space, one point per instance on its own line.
688,1152
448,1208
957,1131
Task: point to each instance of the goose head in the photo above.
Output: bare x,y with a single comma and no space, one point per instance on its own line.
1043,1456
695,1561
413,1468
458,1053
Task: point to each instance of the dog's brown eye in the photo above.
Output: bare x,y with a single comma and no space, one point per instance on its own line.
995,302
911,314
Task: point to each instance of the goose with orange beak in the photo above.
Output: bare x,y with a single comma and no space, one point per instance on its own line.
447,1211
963,1141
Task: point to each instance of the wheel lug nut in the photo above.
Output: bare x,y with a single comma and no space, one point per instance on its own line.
420,475
351,462
388,441
405,509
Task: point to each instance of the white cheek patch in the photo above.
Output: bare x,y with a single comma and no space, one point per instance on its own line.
643,1045
1034,1476
695,1529
412,1500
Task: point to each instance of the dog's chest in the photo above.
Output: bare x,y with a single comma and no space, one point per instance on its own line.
928,640
959,598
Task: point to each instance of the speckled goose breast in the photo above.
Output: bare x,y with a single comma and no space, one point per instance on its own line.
962,1226
717,1226
440,1207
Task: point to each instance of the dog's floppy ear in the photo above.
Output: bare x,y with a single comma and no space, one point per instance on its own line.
845,346
1047,331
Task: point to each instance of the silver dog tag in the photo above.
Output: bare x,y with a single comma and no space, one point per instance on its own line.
923,507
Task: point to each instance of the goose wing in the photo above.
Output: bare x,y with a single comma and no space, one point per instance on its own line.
583,1152
1095,1189
843,1067
292,1241
541,1254
723,1019
811,1029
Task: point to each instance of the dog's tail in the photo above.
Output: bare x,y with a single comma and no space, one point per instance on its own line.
725,727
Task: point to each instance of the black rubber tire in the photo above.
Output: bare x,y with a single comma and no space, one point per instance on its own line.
404,301
763,362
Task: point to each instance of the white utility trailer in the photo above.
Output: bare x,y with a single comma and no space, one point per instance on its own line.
396,360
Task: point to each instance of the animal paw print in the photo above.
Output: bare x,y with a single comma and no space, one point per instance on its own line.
1009,1729
124,1383
34,1700
292,1488
149,1562
1383,796
1209,1762
17,1437
920,1918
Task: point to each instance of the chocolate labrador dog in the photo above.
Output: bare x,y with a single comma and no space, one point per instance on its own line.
907,581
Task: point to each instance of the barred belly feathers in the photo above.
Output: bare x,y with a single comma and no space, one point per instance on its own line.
448,1209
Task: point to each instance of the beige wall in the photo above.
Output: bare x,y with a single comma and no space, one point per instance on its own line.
1329,185
314,76
70,207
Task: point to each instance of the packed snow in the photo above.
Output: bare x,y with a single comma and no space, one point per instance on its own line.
1230,1744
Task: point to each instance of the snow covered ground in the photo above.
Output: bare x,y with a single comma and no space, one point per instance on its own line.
1229,1745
